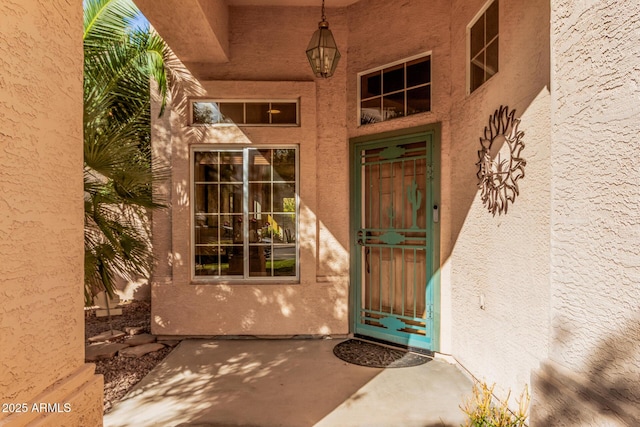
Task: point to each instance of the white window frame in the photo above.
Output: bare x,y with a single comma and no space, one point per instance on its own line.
391,64
475,19
245,101
246,279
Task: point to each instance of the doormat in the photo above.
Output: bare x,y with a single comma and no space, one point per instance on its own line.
376,356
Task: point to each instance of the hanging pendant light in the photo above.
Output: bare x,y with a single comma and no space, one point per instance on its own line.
322,50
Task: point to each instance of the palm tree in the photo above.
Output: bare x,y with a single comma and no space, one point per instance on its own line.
118,172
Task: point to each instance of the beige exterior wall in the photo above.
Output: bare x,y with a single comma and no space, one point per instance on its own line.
266,309
41,217
318,305
594,365
538,268
504,258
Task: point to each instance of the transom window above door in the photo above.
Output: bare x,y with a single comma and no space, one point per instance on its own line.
245,213
395,90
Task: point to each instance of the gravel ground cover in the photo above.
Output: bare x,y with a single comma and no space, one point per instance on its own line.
122,373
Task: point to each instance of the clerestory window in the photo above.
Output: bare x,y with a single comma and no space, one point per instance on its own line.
245,213
247,113
483,46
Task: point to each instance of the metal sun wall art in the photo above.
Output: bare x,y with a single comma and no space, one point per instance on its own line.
500,165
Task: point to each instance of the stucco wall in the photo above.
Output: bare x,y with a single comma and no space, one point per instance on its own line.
315,306
557,273
268,43
595,268
41,215
504,258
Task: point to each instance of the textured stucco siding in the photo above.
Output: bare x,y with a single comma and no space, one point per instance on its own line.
503,259
267,62
595,265
268,43
41,215
558,274
315,306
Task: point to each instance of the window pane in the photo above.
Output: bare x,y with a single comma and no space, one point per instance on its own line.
283,228
283,260
232,263
260,197
207,261
284,165
208,234
232,112
284,113
206,113
230,229
230,167
206,198
230,198
282,195
418,72
257,112
492,21
477,36
492,59
393,106
370,85
259,165
370,111
206,167
419,100
257,261
477,76
393,78
205,220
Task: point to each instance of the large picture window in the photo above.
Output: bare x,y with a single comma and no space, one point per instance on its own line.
245,213
395,90
483,46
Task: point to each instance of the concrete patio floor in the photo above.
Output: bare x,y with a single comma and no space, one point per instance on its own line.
288,383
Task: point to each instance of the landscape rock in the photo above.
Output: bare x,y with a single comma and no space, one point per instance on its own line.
106,336
169,343
101,351
122,373
140,350
140,339
134,330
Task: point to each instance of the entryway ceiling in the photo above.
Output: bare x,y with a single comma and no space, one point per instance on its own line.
198,30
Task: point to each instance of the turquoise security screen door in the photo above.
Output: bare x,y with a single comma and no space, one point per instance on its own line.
394,240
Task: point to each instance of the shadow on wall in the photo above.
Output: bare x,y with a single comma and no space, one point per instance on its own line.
174,136
607,394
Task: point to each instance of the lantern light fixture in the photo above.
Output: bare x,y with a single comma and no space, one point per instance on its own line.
322,51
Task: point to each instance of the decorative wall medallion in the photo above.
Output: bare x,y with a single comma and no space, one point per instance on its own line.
500,165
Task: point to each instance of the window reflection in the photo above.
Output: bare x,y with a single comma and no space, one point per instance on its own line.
396,91
247,237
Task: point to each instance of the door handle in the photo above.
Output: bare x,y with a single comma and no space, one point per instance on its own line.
366,259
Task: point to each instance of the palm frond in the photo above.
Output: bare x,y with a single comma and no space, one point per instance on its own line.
106,21
119,172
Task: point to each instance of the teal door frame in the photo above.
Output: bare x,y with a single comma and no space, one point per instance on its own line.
390,328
